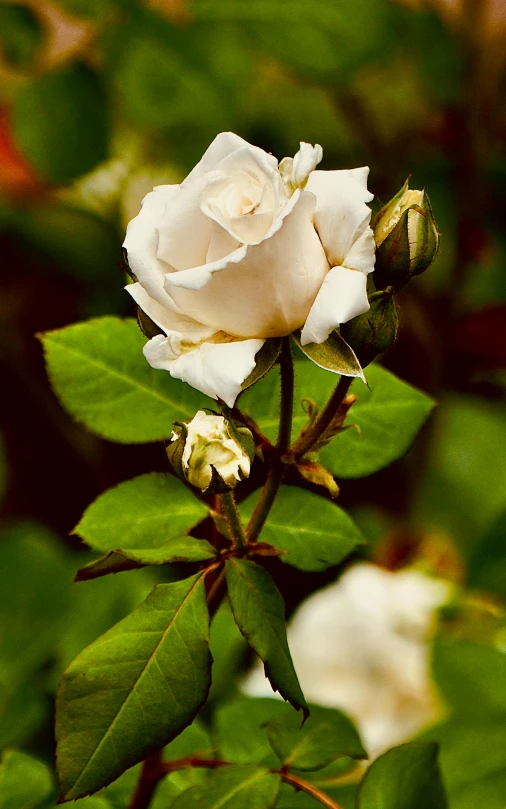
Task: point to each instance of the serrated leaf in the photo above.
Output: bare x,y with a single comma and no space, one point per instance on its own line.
233,788
315,533
184,549
134,689
98,371
25,782
240,729
406,777
333,355
264,361
259,612
386,420
327,735
140,514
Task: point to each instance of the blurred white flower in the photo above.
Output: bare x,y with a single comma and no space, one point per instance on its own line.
361,645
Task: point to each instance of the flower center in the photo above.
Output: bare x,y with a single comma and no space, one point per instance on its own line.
237,199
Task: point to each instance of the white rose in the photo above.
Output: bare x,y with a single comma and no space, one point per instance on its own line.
236,254
209,443
362,645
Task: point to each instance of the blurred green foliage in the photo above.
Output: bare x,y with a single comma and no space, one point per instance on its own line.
129,97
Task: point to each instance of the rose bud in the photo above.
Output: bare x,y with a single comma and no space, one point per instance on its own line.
211,452
407,238
375,331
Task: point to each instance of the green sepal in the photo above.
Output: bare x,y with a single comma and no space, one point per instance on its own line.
315,473
264,361
373,332
185,549
147,326
333,355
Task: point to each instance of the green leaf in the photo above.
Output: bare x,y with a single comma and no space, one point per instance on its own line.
140,514
24,782
464,483
134,689
228,649
259,612
326,736
194,740
406,777
184,549
264,361
99,372
333,355
239,728
233,788
158,78
20,34
471,677
315,533
60,122
387,419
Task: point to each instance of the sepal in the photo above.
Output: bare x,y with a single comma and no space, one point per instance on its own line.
333,355
314,472
375,331
264,360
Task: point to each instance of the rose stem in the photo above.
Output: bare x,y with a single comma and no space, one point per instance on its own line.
149,778
229,508
309,789
294,780
305,441
277,469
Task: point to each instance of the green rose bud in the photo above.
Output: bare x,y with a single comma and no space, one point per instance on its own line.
211,452
407,238
373,332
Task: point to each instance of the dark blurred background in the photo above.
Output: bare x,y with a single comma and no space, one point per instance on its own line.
100,100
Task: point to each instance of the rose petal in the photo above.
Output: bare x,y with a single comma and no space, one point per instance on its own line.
264,290
185,232
341,213
342,296
141,241
169,317
216,369
248,169
362,254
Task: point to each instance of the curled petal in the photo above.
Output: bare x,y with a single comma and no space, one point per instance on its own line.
169,317
263,290
216,369
305,161
362,254
184,231
342,297
341,213
141,241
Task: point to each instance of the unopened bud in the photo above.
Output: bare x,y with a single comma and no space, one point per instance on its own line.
373,332
407,238
211,452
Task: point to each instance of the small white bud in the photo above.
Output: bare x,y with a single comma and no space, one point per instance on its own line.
210,444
